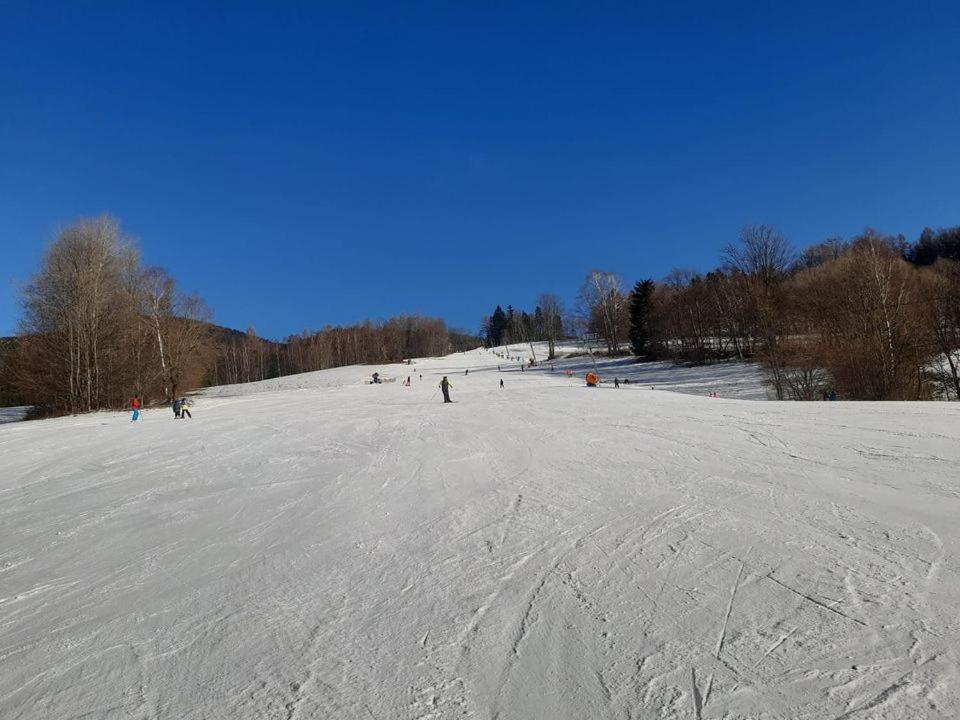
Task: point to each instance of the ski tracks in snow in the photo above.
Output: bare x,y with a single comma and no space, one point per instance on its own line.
538,554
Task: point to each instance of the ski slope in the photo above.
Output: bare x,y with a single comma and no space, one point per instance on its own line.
743,380
317,547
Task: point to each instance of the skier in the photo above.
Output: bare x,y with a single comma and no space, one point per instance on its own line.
616,382
406,383
501,383
467,371
177,404
135,404
185,409
445,386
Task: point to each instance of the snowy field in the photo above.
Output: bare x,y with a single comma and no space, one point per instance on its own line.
317,547
743,380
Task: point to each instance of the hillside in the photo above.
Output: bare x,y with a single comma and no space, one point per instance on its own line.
318,547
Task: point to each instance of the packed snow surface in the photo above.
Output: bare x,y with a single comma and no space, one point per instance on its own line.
318,547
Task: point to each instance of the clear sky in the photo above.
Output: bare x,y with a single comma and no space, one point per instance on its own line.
307,163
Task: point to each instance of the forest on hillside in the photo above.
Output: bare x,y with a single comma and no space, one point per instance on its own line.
873,317
99,327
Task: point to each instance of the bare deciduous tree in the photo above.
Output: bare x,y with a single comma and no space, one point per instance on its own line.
75,316
551,310
942,293
762,258
604,304
762,253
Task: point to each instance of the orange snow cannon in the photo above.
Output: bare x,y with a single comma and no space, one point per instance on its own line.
592,379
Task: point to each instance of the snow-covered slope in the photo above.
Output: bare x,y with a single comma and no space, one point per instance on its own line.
743,380
316,547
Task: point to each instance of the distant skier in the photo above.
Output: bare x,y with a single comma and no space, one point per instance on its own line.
421,376
185,409
616,382
467,371
501,383
445,386
135,404
177,405
406,383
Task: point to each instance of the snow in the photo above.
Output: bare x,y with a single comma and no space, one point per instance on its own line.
317,547
743,380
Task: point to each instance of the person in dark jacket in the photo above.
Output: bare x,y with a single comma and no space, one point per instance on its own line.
177,404
445,386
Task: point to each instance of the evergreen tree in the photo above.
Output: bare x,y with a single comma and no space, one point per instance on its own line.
498,325
640,303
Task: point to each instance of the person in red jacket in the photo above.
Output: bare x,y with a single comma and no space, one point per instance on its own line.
135,404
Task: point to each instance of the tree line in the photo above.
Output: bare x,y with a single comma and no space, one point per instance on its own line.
99,327
245,357
545,323
874,317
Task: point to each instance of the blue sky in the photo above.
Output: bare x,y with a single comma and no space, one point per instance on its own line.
301,164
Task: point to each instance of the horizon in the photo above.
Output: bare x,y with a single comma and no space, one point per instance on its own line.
305,167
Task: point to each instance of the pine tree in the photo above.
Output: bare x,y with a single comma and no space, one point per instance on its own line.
640,302
498,325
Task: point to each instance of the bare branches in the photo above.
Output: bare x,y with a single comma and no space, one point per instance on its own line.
762,253
550,325
605,307
97,328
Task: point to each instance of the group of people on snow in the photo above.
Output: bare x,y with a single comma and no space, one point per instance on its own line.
181,408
